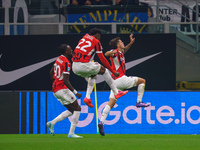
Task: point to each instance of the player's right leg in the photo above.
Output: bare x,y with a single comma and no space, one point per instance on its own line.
141,86
90,86
87,70
126,82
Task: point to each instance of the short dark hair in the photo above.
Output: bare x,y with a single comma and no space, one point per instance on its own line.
94,31
113,42
62,48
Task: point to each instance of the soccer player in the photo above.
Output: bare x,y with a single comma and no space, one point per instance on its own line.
82,66
64,91
122,82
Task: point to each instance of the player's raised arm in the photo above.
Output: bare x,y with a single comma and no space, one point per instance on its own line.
132,40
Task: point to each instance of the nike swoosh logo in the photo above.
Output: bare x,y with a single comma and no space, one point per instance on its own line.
129,65
11,76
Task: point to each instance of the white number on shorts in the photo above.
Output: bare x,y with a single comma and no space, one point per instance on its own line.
85,46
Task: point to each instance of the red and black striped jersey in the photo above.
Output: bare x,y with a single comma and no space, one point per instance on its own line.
118,63
61,66
85,48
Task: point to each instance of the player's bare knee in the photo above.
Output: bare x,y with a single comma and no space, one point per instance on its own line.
93,76
71,110
102,70
112,102
78,108
141,81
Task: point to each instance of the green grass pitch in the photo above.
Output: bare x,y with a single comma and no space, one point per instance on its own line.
97,142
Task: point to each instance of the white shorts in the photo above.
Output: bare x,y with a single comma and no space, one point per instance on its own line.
65,96
124,82
86,69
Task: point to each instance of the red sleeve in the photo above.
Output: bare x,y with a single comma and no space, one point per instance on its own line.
105,62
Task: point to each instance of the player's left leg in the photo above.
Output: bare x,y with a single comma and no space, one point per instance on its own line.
75,118
108,107
141,86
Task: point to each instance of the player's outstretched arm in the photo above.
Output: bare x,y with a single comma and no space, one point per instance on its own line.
105,62
110,53
132,40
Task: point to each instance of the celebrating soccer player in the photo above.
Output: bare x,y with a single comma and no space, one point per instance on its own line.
64,91
122,82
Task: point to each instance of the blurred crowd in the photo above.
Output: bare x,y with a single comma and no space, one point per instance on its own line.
104,2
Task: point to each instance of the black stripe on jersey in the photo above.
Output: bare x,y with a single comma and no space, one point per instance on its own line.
99,45
66,67
121,63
